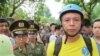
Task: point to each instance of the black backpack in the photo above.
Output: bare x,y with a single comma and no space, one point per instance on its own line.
58,45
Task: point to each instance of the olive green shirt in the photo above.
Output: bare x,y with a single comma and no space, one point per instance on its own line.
38,50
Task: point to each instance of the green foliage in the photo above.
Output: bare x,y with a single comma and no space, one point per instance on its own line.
49,20
8,7
21,14
57,0
95,13
2,6
37,0
5,12
72,1
87,6
42,13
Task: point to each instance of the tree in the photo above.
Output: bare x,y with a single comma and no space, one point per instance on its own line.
15,4
42,13
95,14
21,14
9,7
88,7
2,6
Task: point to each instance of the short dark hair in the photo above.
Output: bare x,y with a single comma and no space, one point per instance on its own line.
97,20
52,24
58,27
86,22
3,20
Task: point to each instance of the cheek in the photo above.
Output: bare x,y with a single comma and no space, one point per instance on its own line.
31,37
17,40
53,28
64,24
0,28
99,30
35,37
7,28
96,31
78,25
25,38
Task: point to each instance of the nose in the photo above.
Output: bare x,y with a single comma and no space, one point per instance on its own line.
21,38
4,27
72,23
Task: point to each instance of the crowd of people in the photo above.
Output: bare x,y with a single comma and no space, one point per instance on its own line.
75,36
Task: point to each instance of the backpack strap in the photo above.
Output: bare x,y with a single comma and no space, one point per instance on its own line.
58,44
88,43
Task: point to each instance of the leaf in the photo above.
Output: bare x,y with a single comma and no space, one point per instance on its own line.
57,0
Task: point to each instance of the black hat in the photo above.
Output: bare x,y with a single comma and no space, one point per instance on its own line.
33,25
3,20
19,27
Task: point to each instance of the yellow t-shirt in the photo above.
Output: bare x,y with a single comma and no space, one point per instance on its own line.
77,48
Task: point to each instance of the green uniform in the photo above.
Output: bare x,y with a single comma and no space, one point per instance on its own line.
23,51
38,50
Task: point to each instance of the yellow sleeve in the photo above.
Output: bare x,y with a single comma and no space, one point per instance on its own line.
50,49
95,49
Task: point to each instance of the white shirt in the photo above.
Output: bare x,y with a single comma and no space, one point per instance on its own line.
52,38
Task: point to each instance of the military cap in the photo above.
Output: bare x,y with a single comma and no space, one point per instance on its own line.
19,27
33,26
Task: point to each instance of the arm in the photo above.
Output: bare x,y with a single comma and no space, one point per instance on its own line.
43,51
95,49
50,49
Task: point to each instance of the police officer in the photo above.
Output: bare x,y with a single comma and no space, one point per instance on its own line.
37,48
19,30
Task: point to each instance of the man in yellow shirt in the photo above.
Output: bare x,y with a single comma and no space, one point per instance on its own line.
73,43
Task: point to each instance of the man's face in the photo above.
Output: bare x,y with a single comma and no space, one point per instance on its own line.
59,32
87,30
53,27
71,23
96,29
21,39
4,28
32,37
